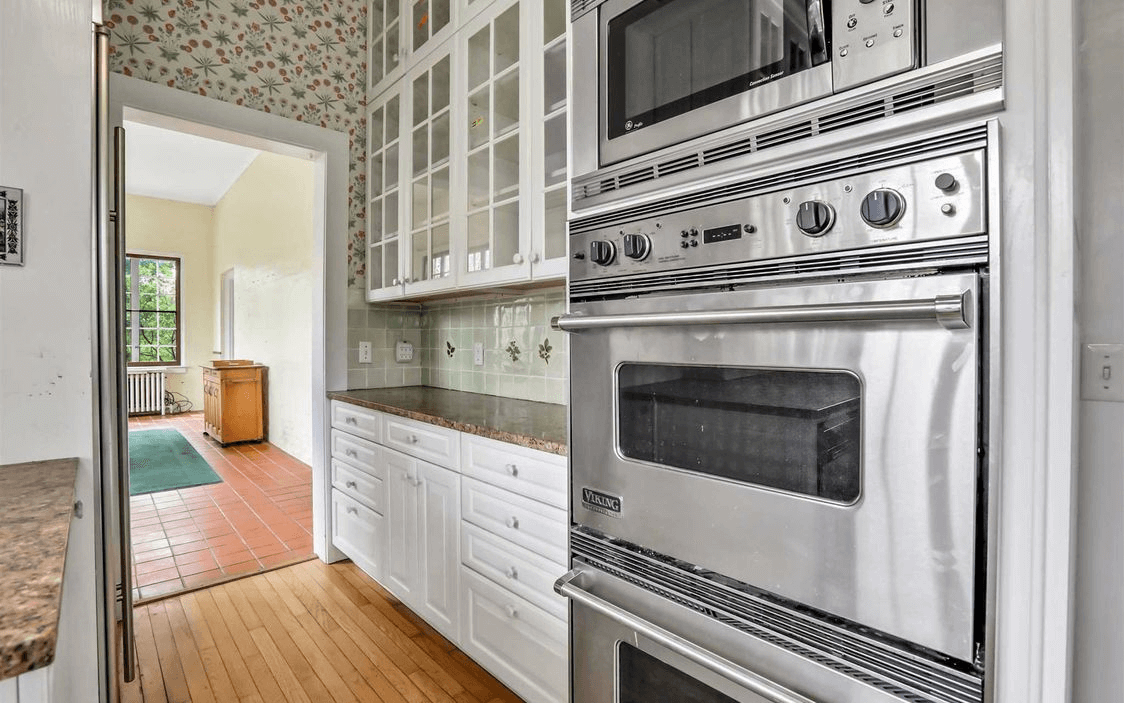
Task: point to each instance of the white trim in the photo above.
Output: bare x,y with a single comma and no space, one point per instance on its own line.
162,106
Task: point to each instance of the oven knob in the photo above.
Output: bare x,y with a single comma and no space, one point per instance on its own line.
602,252
946,183
637,246
883,208
815,218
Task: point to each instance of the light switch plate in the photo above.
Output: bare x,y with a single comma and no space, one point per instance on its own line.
403,352
364,352
1102,372
478,354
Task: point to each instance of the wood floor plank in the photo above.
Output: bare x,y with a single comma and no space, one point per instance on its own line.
129,692
264,677
198,683
175,682
430,687
148,664
243,681
214,664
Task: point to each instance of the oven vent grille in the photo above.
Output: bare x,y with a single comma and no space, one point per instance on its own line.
967,251
580,7
958,141
938,87
905,674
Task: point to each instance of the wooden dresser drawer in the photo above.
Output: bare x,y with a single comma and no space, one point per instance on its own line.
514,568
529,524
358,421
528,472
437,445
518,642
367,485
355,451
359,532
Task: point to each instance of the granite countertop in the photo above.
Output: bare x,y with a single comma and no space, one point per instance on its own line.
527,423
36,500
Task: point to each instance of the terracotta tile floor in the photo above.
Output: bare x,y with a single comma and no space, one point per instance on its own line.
258,518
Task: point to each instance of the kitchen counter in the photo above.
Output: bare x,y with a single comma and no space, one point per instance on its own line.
526,423
36,501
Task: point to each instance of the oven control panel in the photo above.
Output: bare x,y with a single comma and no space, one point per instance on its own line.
941,198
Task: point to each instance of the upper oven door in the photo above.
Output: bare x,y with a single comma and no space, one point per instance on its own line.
809,453
673,70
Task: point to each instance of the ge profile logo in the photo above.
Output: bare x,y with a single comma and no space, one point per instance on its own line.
628,125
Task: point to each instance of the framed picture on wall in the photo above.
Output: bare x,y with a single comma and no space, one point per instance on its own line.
11,226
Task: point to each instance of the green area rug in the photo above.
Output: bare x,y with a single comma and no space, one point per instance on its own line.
162,460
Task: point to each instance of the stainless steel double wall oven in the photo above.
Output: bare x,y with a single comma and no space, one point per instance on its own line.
779,433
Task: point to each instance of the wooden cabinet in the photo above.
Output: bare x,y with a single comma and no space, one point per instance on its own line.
233,402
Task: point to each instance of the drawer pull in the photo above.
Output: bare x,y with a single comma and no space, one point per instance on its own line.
511,573
351,421
352,511
511,611
512,470
350,484
412,439
351,453
415,482
512,522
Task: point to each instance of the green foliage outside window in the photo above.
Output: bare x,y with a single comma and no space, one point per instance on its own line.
152,310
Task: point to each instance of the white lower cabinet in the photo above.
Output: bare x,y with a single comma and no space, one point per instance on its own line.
358,532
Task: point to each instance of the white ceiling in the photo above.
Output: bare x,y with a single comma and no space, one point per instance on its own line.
161,163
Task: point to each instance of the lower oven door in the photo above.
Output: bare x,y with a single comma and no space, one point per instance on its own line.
817,442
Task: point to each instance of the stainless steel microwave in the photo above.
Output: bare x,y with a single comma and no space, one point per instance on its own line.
669,71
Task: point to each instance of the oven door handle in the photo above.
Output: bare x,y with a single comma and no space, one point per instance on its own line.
949,311
763,687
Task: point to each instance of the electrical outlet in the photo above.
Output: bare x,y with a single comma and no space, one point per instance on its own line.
364,352
403,352
1102,372
478,353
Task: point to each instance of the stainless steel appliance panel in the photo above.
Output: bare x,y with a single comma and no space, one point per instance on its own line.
871,40
902,557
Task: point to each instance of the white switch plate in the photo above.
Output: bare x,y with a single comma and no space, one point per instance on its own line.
403,352
364,352
1102,372
478,353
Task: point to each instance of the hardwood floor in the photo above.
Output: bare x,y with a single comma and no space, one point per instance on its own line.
303,634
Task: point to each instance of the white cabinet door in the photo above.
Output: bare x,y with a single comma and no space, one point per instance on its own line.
402,525
438,544
385,44
430,23
551,158
384,197
358,532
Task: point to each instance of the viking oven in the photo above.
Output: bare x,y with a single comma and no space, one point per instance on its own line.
778,451
668,71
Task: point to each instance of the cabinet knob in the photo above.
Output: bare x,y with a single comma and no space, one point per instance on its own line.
512,522
351,421
352,511
350,484
511,611
415,482
534,257
412,439
518,258
351,453
394,281
512,470
511,573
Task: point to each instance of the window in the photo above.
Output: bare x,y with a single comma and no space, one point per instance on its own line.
152,310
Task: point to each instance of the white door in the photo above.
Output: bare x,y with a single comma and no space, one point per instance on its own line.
439,556
402,525
228,314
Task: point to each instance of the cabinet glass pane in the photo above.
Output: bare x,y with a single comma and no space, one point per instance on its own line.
439,267
479,57
554,149
505,115
376,173
421,98
374,128
555,223
390,167
507,39
375,15
390,263
479,184
554,78
439,14
479,252
421,22
553,20
376,61
506,234
376,221
439,193
391,47
421,201
440,81
419,259
478,124
505,173
374,264
392,119
440,128
421,149
392,11
390,216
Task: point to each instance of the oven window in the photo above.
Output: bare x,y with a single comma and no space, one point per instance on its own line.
668,57
644,679
790,430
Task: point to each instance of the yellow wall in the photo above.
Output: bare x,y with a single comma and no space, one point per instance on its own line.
181,229
263,230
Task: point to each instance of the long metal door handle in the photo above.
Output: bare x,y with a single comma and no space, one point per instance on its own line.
763,687
950,311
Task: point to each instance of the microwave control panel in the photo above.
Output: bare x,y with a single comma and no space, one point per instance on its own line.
938,199
872,39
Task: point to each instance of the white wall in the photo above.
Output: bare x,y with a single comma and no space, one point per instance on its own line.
46,393
1098,672
263,229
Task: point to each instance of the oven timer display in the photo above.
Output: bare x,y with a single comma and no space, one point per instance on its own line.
722,234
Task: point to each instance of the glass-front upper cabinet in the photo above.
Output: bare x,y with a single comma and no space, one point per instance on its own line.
430,22
548,257
429,257
385,44
384,177
498,236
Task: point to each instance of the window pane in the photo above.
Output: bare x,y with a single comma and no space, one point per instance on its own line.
166,337
147,319
167,353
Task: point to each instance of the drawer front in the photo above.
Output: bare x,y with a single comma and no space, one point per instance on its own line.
519,643
515,568
358,421
529,524
355,451
358,532
437,445
531,473
233,374
367,485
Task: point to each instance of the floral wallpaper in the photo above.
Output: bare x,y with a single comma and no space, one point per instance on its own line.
302,59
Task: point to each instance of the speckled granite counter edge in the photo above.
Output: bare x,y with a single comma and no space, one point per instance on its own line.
37,500
543,445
